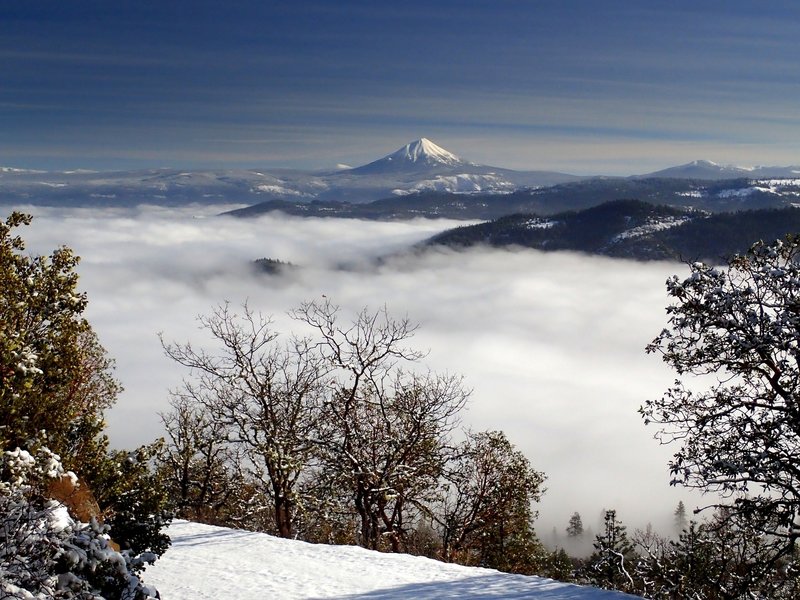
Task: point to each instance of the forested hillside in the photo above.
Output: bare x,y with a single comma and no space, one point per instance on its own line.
632,229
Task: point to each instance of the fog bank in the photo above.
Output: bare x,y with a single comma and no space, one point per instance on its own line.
551,344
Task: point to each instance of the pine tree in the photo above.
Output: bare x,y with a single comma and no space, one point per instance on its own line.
681,521
610,565
575,527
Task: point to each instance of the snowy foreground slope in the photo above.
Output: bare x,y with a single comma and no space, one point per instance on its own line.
208,562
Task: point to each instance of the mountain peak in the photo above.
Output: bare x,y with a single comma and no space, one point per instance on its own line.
424,150
417,155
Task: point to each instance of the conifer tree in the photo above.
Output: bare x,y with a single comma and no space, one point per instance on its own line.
575,527
611,564
56,381
680,520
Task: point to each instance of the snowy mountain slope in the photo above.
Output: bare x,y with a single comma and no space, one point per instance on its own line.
419,155
152,186
461,183
436,198
206,563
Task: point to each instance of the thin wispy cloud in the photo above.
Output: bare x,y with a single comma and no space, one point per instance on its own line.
143,82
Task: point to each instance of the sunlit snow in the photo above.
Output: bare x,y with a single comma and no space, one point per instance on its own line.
209,563
425,150
540,223
651,227
461,183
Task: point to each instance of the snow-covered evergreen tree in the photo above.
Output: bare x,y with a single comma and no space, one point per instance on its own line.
612,563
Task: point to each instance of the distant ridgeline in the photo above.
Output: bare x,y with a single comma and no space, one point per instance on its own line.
712,196
418,179
632,229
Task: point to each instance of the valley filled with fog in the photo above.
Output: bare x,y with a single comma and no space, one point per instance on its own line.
552,345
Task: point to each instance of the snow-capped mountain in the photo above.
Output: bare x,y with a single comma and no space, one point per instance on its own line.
705,169
419,155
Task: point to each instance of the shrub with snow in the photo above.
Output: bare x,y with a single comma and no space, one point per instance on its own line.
44,553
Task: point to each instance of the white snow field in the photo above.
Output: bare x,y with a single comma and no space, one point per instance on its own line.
207,562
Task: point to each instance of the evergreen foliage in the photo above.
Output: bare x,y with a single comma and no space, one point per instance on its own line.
575,526
680,519
486,516
44,553
54,374
55,383
632,229
611,564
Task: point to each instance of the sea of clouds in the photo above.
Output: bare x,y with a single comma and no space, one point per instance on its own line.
552,344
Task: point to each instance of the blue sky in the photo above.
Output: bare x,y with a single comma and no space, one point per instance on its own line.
612,87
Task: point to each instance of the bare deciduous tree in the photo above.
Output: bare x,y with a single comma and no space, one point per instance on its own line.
384,430
198,463
266,394
348,434
740,436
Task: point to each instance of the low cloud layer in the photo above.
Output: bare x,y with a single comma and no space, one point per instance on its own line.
552,344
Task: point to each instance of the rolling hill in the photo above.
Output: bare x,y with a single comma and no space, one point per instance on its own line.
632,229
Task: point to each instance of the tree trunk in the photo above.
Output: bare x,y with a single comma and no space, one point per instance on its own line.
283,512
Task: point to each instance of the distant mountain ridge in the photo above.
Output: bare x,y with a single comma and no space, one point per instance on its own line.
420,167
711,196
705,169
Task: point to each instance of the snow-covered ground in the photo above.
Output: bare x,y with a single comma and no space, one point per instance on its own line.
651,226
208,562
